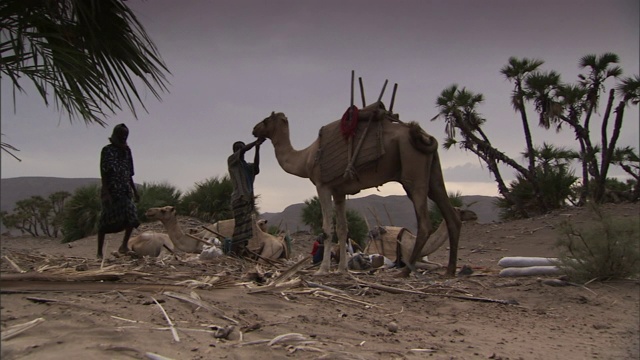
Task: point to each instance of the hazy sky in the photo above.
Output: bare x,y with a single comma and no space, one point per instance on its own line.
233,62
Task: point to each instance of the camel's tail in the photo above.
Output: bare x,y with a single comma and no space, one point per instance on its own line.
420,140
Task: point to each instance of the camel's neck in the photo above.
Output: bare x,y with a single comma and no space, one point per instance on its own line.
293,161
179,238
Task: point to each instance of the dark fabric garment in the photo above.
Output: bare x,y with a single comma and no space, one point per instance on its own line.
116,170
118,208
242,175
319,254
117,215
243,230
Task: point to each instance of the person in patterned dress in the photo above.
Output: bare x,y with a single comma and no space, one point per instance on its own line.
242,175
118,190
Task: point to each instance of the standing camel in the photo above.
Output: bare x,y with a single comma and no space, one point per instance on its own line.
410,157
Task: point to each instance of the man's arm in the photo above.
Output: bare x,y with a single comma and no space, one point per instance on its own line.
256,158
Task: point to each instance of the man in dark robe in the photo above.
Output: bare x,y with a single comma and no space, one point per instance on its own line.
118,209
242,175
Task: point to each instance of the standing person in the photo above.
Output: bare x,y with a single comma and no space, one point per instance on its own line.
242,175
116,171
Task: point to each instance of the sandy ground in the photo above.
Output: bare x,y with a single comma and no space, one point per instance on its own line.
119,312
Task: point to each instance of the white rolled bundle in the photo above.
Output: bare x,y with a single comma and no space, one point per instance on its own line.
526,261
530,271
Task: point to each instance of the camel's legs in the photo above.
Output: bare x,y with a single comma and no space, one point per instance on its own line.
438,193
341,229
327,209
419,198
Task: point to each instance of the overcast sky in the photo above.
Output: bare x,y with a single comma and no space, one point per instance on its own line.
233,62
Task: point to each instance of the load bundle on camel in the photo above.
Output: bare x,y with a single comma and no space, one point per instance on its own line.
397,243
377,151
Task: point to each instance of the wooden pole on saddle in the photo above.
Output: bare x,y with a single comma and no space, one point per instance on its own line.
349,119
383,87
364,103
393,97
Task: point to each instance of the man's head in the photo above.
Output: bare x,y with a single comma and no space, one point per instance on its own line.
237,146
120,134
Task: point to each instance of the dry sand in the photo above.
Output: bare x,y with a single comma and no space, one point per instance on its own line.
112,313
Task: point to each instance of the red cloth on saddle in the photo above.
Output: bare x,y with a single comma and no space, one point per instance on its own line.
347,127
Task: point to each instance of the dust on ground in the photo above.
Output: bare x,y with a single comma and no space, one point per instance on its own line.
129,308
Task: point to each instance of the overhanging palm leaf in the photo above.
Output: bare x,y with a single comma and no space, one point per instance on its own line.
88,53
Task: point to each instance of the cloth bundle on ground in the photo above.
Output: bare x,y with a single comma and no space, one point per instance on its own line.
528,266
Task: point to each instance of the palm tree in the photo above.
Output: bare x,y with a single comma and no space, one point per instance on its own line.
85,54
629,90
517,70
458,109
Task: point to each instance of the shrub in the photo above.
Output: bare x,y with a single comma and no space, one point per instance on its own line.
81,213
156,195
209,201
603,249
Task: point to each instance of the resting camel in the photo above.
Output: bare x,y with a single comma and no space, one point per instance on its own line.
405,240
150,243
410,158
262,242
167,216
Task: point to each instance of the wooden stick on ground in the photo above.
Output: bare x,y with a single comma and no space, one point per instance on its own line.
14,265
173,329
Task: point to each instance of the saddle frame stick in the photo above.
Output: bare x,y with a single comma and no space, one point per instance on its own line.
393,97
364,103
197,238
351,103
383,88
214,232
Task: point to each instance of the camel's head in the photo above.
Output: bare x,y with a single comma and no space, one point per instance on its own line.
262,224
161,213
267,127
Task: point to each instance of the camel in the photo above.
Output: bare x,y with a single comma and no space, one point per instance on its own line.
150,243
182,241
405,240
267,245
224,228
410,158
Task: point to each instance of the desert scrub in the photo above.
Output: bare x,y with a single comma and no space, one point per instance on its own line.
604,248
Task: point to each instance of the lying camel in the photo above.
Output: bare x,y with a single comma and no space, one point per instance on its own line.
262,242
167,216
266,245
150,243
406,241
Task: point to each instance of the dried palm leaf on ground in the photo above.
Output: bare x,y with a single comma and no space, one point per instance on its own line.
15,330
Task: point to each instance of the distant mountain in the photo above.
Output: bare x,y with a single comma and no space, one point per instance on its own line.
383,210
19,188
394,210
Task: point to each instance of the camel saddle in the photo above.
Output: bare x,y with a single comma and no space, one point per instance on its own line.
341,157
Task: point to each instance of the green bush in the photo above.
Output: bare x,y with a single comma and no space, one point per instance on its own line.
156,195
603,249
81,213
209,201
